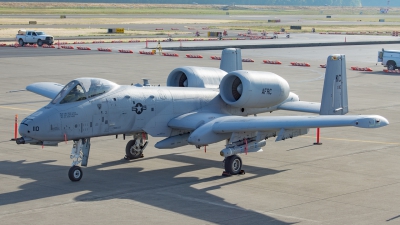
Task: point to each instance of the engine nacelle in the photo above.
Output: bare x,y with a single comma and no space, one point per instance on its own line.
253,89
193,76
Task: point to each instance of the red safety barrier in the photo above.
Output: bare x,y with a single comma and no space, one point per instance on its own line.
216,57
198,39
184,39
391,71
151,40
146,53
67,47
272,62
63,43
323,65
14,45
118,41
131,41
205,28
170,54
31,46
48,46
194,56
79,42
159,28
83,48
97,42
241,39
125,51
213,39
104,49
174,28
2,45
247,60
361,69
191,28
299,64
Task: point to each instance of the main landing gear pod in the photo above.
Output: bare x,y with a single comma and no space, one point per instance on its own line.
233,165
134,148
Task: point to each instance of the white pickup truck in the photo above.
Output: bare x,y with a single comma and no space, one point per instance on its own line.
34,37
389,58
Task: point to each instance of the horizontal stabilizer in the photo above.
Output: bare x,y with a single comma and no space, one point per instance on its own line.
300,106
46,89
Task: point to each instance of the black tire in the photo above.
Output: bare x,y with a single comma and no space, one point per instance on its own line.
132,153
391,65
39,43
233,164
75,173
21,42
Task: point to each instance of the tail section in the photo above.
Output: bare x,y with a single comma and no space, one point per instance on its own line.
231,59
334,95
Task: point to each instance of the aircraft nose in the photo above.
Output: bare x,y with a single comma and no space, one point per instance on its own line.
383,121
35,124
23,129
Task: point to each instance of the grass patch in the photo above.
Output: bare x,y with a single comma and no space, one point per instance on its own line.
176,9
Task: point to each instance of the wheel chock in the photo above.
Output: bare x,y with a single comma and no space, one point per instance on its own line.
226,174
242,172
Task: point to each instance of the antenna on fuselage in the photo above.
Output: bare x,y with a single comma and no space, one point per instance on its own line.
146,82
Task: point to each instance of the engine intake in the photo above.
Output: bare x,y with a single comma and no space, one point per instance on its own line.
253,89
192,76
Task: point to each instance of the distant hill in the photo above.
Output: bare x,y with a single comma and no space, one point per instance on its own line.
229,2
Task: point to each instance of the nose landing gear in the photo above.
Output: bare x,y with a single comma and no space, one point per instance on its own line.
79,155
75,173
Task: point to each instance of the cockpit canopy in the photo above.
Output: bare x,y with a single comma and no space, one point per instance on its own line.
83,88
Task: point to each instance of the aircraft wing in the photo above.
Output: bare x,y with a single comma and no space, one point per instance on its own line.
46,89
231,124
301,106
236,127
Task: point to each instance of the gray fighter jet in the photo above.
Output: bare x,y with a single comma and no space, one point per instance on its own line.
199,106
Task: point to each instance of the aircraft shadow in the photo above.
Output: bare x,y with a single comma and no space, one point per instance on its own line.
162,188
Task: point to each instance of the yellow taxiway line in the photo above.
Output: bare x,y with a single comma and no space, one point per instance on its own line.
6,107
342,139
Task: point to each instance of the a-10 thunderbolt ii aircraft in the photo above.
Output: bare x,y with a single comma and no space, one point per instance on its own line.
199,106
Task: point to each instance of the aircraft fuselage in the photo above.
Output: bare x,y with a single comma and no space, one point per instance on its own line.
126,110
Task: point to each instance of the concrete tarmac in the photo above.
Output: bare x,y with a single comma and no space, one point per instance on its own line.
352,178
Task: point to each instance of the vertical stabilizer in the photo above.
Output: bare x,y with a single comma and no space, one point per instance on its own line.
334,95
231,59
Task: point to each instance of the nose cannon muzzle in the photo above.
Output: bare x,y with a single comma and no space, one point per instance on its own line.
26,140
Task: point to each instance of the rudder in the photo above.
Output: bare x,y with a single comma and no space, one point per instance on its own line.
334,95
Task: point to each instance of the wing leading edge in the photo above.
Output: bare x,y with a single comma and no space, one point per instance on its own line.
301,106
